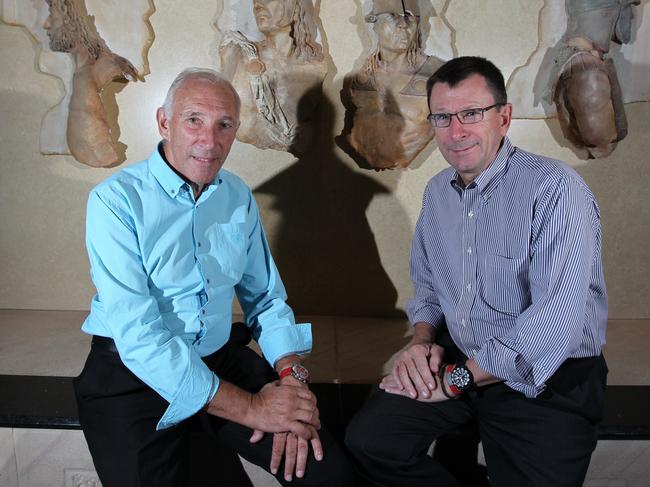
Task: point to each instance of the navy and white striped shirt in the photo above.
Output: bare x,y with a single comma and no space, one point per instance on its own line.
512,263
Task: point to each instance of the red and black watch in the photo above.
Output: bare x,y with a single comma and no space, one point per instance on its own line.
459,379
297,371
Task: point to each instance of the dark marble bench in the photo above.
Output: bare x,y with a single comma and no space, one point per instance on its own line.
28,401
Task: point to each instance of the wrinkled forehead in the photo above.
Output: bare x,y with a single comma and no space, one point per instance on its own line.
472,91
193,90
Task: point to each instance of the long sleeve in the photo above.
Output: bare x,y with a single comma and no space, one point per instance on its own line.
163,360
564,258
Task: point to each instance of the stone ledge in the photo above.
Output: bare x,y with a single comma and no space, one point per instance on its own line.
48,402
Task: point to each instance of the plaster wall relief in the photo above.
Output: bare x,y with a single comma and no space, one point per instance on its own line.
385,97
589,62
271,51
87,44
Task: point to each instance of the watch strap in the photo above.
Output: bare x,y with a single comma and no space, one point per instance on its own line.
453,388
297,371
287,371
443,383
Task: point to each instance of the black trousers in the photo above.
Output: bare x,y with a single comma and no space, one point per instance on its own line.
540,442
119,413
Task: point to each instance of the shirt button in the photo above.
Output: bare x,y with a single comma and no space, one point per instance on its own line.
198,244
202,311
471,214
469,250
208,281
462,322
469,287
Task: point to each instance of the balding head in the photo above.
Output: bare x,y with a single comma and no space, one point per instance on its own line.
204,74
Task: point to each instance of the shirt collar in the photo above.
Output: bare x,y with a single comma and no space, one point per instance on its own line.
490,177
170,181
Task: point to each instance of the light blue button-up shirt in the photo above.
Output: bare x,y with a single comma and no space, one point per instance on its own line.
166,269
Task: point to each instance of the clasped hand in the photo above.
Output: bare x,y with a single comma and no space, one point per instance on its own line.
298,422
415,372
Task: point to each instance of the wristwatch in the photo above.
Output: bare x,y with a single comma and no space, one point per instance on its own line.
459,379
297,371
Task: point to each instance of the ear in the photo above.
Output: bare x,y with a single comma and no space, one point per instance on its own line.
163,123
505,117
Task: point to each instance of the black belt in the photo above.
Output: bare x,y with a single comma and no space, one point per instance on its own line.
104,343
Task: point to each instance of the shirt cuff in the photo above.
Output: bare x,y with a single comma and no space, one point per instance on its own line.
286,340
501,361
425,314
196,390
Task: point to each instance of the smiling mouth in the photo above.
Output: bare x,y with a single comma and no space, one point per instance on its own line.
462,150
204,160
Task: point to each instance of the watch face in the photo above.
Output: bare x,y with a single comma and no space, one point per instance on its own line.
461,377
300,373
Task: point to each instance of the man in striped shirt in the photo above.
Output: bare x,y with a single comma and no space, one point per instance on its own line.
507,256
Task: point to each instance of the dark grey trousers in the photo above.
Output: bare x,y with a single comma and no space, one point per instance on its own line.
540,442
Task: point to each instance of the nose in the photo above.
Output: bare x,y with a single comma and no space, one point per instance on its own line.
457,129
401,22
208,137
48,23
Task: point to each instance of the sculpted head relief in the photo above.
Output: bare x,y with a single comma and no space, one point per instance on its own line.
386,99
277,74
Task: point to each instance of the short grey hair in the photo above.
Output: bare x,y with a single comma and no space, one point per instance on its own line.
205,74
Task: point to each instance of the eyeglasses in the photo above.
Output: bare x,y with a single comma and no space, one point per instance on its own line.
466,117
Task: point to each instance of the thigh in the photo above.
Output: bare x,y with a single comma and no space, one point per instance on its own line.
543,441
402,428
118,415
243,367
240,365
333,470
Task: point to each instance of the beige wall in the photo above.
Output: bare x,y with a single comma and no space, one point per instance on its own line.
340,234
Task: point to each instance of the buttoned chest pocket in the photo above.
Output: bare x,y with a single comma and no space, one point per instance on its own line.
505,287
231,249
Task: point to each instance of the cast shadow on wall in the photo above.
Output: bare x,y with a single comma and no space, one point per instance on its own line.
324,246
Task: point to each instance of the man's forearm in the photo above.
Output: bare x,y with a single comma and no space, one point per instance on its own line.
230,402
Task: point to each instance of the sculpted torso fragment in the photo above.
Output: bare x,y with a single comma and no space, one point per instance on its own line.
573,72
587,93
74,35
88,132
386,98
279,78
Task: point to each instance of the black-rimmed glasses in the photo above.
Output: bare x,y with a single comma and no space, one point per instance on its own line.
469,116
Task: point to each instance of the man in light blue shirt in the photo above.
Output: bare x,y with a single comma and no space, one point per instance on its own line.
171,241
